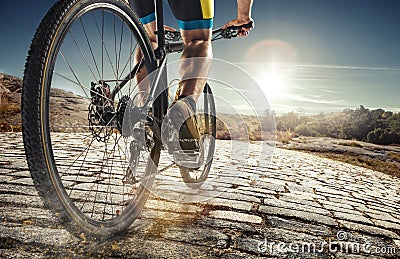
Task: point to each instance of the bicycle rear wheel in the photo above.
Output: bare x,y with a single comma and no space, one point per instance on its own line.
73,103
207,122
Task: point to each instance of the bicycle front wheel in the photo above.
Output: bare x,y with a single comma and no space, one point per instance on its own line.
78,80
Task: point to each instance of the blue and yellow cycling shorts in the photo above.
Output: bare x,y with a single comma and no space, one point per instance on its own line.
191,14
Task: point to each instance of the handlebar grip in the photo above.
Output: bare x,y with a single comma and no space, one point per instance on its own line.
247,25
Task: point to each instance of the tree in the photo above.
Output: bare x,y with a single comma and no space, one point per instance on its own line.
268,121
359,124
375,126
383,137
288,122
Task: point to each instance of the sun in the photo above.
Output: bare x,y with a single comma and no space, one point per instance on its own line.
273,73
273,83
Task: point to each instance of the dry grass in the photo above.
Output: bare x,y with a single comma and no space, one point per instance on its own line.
394,156
351,144
284,136
7,112
10,128
386,167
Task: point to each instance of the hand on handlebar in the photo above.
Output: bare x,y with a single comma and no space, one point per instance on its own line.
243,27
230,30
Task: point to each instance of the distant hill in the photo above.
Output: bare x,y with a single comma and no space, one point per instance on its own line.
68,109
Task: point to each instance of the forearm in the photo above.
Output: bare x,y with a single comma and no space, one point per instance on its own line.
243,18
244,9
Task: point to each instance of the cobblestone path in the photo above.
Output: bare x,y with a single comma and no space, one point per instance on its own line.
299,206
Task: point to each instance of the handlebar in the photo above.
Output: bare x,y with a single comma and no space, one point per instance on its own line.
174,38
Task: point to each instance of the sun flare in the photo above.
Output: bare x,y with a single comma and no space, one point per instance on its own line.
273,83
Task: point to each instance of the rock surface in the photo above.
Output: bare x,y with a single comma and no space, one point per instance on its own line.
67,109
342,146
383,158
10,90
302,206
10,102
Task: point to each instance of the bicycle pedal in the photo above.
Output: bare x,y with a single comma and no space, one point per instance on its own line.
131,181
190,159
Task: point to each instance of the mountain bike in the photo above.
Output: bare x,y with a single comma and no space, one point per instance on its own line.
92,150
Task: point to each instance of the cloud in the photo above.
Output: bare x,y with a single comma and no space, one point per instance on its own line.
322,66
312,99
327,66
317,89
330,91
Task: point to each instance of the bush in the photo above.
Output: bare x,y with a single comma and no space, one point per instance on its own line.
306,130
284,136
375,135
383,137
375,126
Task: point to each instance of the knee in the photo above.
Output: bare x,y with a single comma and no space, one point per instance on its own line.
199,43
201,37
198,48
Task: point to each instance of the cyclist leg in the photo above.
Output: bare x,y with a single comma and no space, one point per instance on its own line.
142,74
195,61
195,18
146,12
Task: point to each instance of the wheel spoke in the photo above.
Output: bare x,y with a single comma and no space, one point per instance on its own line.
83,56
90,47
73,72
104,46
80,168
120,45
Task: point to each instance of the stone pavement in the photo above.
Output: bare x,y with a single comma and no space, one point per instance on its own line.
299,206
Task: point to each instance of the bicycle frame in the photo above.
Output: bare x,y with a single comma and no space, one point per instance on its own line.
160,51
160,54
158,95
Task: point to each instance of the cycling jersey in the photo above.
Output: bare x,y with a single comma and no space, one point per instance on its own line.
191,14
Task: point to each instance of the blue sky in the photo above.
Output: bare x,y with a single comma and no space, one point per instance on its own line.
307,55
